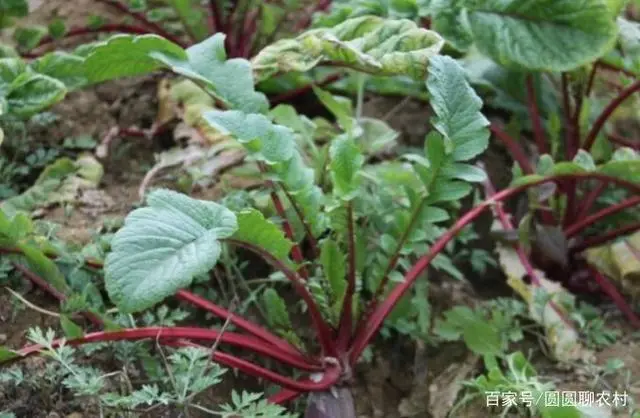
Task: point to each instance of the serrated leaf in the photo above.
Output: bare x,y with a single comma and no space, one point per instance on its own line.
255,229
163,246
369,44
541,35
277,313
457,108
346,162
449,21
334,267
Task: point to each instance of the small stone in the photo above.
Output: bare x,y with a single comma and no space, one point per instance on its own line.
74,415
3,338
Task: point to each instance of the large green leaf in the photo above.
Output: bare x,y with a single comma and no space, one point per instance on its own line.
163,246
229,81
369,44
536,35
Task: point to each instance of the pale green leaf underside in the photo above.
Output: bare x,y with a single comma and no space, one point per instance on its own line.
230,81
162,247
369,44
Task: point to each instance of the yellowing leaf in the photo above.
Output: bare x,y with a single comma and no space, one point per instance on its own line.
619,261
549,305
369,44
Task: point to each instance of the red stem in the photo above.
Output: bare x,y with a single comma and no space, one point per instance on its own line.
514,148
296,253
572,144
41,283
331,374
305,20
612,67
156,28
374,322
592,79
591,200
607,112
192,333
346,317
302,90
321,327
609,236
240,322
570,147
618,140
216,17
585,222
312,240
615,296
536,120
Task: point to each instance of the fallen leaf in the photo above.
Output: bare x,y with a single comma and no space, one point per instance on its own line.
620,261
549,304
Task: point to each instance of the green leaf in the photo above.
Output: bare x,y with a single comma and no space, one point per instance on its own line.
584,160
457,108
346,162
70,328
29,37
481,338
7,354
32,93
270,143
57,28
277,314
163,246
449,21
253,228
191,16
128,56
340,107
62,66
369,44
230,81
17,8
44,267
541,35
334,267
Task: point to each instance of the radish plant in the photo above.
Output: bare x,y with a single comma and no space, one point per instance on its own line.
351,240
